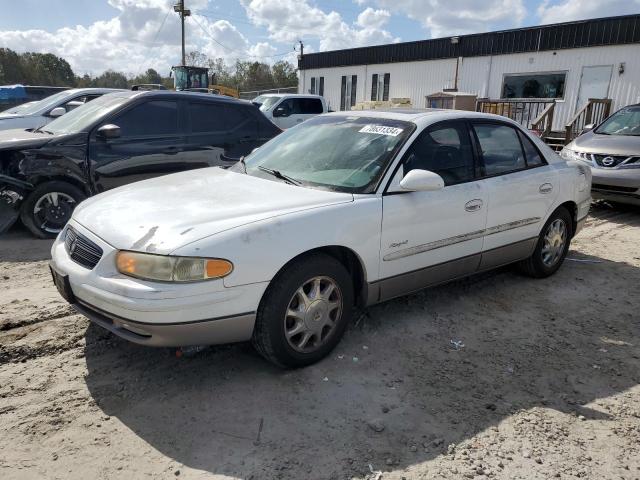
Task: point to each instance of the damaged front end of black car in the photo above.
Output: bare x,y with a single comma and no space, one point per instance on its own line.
12,193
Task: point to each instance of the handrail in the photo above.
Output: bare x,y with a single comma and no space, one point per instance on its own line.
545,119
524,110
594,111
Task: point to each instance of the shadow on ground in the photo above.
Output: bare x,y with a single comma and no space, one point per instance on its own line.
527,343
19,245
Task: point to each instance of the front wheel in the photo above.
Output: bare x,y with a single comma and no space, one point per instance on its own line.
304,312
49,207
552,246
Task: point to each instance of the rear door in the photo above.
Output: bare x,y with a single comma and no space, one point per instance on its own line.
151,144
219,133
521,189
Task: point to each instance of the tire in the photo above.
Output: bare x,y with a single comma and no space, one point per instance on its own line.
274,335
55,217
539,264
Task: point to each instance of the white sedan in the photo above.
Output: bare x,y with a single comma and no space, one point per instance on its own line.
347,209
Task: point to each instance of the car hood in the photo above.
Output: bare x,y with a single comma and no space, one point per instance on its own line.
168,212
21,138
592,142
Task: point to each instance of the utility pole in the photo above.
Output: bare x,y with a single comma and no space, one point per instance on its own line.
179,8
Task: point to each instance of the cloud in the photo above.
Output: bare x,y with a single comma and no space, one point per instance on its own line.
288,21
453,17
568,10
145,33
371,18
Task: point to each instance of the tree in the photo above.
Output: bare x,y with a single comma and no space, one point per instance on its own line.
196,59
111,79
284,74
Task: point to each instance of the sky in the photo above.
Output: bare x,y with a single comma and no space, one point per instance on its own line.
133,35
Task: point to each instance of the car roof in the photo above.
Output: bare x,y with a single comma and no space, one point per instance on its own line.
420,116
310,95
211,97
95,90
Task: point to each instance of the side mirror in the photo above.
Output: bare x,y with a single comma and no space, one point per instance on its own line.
108,131
587,128
280,112
421,181
57,112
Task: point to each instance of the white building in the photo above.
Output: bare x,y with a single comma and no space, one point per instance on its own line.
568,62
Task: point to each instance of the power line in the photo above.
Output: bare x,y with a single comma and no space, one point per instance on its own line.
236,51
155,37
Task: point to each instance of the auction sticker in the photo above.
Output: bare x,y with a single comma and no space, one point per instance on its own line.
381,130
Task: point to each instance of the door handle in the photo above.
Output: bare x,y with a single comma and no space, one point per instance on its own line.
473,205
546,188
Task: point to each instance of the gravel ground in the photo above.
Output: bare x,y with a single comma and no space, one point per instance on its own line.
497,376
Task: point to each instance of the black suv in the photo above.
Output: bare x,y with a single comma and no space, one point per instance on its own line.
118,139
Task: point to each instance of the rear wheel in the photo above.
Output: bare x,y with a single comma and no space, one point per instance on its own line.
49,207
552,247
304,312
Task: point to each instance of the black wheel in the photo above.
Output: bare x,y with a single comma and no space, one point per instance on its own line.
552,247
49,207
304,311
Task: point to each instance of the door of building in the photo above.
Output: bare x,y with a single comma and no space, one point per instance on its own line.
594,83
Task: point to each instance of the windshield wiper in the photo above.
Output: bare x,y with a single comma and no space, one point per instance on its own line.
280,175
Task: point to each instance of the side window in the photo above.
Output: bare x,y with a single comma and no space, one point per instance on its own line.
234,116
309,105
533,157
288,105
136,121
500,148
211,117
206,117
443,149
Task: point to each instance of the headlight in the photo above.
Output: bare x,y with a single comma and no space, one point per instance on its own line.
165,268
569,154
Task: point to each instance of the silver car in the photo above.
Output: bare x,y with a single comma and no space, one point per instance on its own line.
612,149
40,113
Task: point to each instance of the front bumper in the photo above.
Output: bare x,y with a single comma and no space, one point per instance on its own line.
617,185
219,330
153,313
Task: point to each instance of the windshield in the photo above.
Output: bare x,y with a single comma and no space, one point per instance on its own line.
17,109
265,102
624,122
340,153
80,119
47,103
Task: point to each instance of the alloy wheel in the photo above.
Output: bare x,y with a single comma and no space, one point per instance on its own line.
554,241
312,314
52,211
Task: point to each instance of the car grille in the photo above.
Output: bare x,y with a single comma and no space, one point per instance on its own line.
612,161
82,250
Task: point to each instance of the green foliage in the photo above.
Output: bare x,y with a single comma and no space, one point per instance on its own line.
32,68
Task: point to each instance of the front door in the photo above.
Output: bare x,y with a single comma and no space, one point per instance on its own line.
151,144
594,83
431,237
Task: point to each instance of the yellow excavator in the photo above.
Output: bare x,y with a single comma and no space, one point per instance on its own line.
196,79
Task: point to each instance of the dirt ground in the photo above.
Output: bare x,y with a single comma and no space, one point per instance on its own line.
498,376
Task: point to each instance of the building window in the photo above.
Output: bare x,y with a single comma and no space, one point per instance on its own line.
380,86
317,86
534,85
348,89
